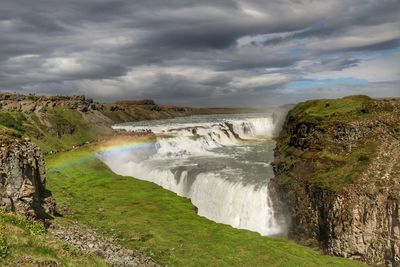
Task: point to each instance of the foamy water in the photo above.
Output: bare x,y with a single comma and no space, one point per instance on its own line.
222,163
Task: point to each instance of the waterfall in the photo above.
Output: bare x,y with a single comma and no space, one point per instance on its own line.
210,161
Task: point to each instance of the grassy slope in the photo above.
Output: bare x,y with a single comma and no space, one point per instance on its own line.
43,131
146,217
344,109
24,243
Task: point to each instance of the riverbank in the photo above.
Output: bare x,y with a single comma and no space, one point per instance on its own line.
156,222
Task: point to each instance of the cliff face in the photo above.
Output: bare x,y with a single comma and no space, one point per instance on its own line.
337,167
28,104
22,180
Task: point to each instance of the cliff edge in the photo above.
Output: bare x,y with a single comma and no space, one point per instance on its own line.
337,168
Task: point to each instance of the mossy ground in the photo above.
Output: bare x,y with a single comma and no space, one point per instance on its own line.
161,224
25,243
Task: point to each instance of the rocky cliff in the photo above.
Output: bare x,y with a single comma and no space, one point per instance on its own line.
23,178
119,111
337,169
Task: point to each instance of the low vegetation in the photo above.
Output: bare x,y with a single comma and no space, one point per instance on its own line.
12,120
25,243
67,128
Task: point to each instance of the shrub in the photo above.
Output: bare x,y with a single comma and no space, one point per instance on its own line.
9,121
363,158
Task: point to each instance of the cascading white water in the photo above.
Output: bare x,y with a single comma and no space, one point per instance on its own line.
220,163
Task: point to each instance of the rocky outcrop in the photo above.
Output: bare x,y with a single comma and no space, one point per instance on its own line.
86,239
339,176
22,180
40,104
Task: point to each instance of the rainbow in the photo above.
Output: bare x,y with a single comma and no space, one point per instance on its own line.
114,146
118,146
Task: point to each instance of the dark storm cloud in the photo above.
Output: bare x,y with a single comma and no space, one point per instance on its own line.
379,46
190,51
358,20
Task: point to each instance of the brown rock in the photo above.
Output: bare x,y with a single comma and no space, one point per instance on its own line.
22,180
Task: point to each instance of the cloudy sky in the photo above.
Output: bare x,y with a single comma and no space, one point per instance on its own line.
209,52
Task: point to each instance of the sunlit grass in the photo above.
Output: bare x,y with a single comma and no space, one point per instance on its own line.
163,225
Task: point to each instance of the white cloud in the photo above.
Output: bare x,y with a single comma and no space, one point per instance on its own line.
257,81
60,65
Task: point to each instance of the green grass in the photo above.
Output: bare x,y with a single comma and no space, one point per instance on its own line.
161,224
25,243
344,108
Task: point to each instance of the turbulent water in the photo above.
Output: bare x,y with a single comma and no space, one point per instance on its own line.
220,162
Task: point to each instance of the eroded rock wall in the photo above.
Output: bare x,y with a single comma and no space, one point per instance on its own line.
22,180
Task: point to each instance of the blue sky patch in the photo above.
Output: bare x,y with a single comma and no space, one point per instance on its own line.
305,84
